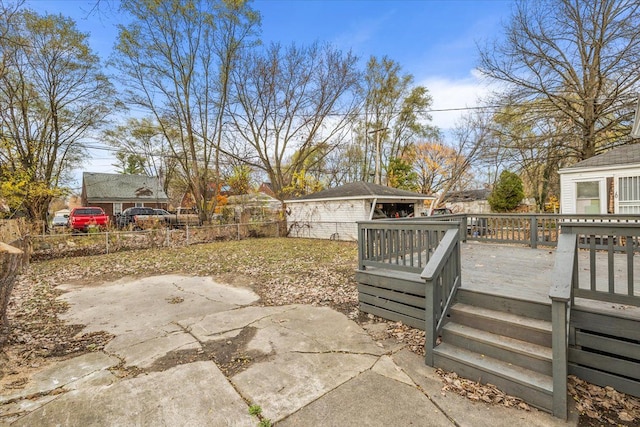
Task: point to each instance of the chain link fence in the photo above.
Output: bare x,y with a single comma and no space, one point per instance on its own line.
61,245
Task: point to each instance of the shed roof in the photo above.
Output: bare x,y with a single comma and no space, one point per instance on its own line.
624,155
115,187
362,190
469,195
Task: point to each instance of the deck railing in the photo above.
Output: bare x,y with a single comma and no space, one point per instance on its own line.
611,247
430,249
526,229
404,245
606,245
442,276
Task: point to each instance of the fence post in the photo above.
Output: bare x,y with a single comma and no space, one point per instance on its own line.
238,231
534,232
187,231
166,237
106,235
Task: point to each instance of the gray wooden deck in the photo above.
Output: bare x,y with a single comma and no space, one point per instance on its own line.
526,273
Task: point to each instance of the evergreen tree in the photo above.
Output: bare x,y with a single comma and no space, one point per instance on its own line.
507,193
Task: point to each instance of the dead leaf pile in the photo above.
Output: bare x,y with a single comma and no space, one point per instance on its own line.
412,337
604,404
475,391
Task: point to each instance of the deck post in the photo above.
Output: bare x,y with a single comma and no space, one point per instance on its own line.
361,242
534,232
560,359
463,228
564,275
430,326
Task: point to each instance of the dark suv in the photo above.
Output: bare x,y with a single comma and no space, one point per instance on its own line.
127,217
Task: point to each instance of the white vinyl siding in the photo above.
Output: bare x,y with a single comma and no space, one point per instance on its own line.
335,220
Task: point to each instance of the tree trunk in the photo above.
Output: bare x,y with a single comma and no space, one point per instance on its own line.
10,263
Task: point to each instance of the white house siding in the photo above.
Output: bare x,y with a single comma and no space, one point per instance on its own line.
569,179
327,219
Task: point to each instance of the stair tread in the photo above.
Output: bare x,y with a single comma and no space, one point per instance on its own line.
528,322
518,374
501,341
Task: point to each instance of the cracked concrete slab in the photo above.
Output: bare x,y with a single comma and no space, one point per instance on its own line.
313,329
128,305
209,327
143,353
195,394
370,399
63,374
290,381
387,368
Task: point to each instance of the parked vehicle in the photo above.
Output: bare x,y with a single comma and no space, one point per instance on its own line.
60,221
129,217
86,218
182,217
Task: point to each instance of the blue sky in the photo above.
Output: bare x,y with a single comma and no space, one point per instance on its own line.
434,40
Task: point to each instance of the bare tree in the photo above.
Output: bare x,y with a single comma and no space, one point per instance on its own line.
394,115
290,102
52,94
177,57
579,56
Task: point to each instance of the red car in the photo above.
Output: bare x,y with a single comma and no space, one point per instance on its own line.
84,218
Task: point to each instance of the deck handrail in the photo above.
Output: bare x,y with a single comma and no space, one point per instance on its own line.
565,274
442,276
399,244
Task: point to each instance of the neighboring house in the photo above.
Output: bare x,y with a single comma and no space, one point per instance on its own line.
267,189
117,192
469,201
254,207
607,183
187,200
333,213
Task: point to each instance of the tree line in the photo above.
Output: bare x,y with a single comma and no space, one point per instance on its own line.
208,104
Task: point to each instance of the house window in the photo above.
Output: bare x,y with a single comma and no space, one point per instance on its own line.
629,194
139,205
117,208
588,197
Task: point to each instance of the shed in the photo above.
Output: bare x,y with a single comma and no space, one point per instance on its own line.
333,213
116,192
607,183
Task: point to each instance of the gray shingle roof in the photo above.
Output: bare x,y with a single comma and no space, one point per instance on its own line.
110,187
362,189
623,155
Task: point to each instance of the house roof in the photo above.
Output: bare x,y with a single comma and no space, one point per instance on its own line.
468,195
110,187
362,190
624,155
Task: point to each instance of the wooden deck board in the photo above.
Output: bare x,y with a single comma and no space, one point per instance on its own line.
526,273
507,270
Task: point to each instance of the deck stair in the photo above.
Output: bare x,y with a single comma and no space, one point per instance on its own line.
502,341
